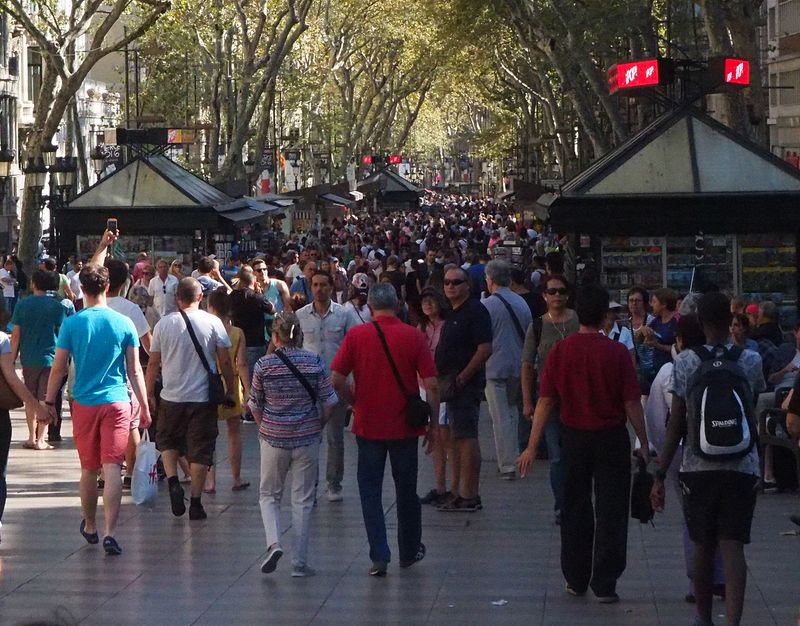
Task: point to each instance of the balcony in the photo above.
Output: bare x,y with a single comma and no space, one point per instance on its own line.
788,27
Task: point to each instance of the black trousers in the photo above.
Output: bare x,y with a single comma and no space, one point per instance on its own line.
594,537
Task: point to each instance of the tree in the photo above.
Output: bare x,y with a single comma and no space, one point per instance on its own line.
65,67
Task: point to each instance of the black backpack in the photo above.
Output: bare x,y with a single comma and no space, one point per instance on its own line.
720,408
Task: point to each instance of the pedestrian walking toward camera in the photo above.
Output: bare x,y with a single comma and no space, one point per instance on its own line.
104,347
713,412
385,358
510,317
185,349
291,399
464,347
593,380
325,324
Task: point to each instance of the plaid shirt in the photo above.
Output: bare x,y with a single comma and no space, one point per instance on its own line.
288,417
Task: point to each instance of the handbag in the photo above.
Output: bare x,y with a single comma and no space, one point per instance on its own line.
8,397
293,369
144,483
418,411
641,508
216,388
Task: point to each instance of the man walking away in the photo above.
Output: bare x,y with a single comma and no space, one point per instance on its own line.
35,322
104,347
593,380
719,492
461,355
510,317
185,416
380,421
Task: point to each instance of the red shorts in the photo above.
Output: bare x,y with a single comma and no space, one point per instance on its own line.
101,433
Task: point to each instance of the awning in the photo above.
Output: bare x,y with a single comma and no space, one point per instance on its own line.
357,195
247,209
333,198
276,199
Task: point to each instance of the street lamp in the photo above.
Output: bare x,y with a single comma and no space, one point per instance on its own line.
49,154
98,158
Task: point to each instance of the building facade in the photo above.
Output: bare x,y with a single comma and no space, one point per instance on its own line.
783,64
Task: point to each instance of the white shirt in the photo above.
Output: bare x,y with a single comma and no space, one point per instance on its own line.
132,311
185,378
75,285
623,335
293,272
324,335
163,294
7,281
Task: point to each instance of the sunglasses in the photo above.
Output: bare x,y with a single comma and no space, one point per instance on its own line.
561,291
164,287
454,281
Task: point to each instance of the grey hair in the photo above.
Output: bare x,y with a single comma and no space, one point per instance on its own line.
499,272
769,309
287,326
382,297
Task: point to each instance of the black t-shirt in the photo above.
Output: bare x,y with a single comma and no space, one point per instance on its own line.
535,303
398,279
247,312
464,330
770,331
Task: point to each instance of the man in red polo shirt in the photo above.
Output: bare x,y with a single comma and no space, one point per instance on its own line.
593,381
380,422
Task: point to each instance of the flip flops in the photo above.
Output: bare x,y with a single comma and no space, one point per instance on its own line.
91,538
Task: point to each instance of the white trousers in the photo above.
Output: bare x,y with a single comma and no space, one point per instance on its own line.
502,397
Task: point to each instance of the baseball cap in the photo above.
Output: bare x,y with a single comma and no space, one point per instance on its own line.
614,305
360,281
751,309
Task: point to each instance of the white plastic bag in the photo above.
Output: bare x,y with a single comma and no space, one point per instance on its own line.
144,484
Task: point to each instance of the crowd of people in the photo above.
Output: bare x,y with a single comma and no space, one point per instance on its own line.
363,319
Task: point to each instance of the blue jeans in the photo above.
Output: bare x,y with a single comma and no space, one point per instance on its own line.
371,464
552,437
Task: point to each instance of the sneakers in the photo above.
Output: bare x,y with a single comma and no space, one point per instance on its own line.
610,598
417,557
176,499
274,555
435,498
378,569
574,592
461,505
196,512
334,493
303,571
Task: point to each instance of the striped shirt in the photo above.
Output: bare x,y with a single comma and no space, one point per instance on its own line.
288,417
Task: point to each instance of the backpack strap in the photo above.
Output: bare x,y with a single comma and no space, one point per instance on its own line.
704,353
733,353
297,374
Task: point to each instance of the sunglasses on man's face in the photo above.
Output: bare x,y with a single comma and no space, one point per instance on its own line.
561,291
455,282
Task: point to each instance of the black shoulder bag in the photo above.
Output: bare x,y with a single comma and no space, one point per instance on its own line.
293,369
418,412
216,388
514,318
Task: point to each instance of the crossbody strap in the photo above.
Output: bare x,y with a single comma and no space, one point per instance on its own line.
293,369
196,343
513,315
390,359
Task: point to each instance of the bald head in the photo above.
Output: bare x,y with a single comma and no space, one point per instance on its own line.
189,291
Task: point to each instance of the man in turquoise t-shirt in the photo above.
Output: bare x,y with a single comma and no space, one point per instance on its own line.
36,321
104,346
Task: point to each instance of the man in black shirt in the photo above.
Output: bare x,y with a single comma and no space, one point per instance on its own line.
464,347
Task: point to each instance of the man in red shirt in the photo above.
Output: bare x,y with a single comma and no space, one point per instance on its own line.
380,422
592,380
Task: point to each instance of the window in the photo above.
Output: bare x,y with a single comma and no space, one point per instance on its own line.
771,24
3,39
789,83
773,92
788,18
34,74
8,122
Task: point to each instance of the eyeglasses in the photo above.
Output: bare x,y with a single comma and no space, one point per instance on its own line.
454,282
561,291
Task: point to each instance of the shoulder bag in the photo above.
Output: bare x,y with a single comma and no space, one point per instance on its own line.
418,412
514,318
216,388
8,397
293,369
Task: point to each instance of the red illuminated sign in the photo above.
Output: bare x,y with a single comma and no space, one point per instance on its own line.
635,75
737,72
367,159
395,159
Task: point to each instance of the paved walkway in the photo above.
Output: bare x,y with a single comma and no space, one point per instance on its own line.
498,566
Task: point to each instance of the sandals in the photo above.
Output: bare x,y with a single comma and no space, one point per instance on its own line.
241,486
29,446
91,538
461,505
111,546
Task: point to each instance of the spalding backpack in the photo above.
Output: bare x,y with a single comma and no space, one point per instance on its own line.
720,409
